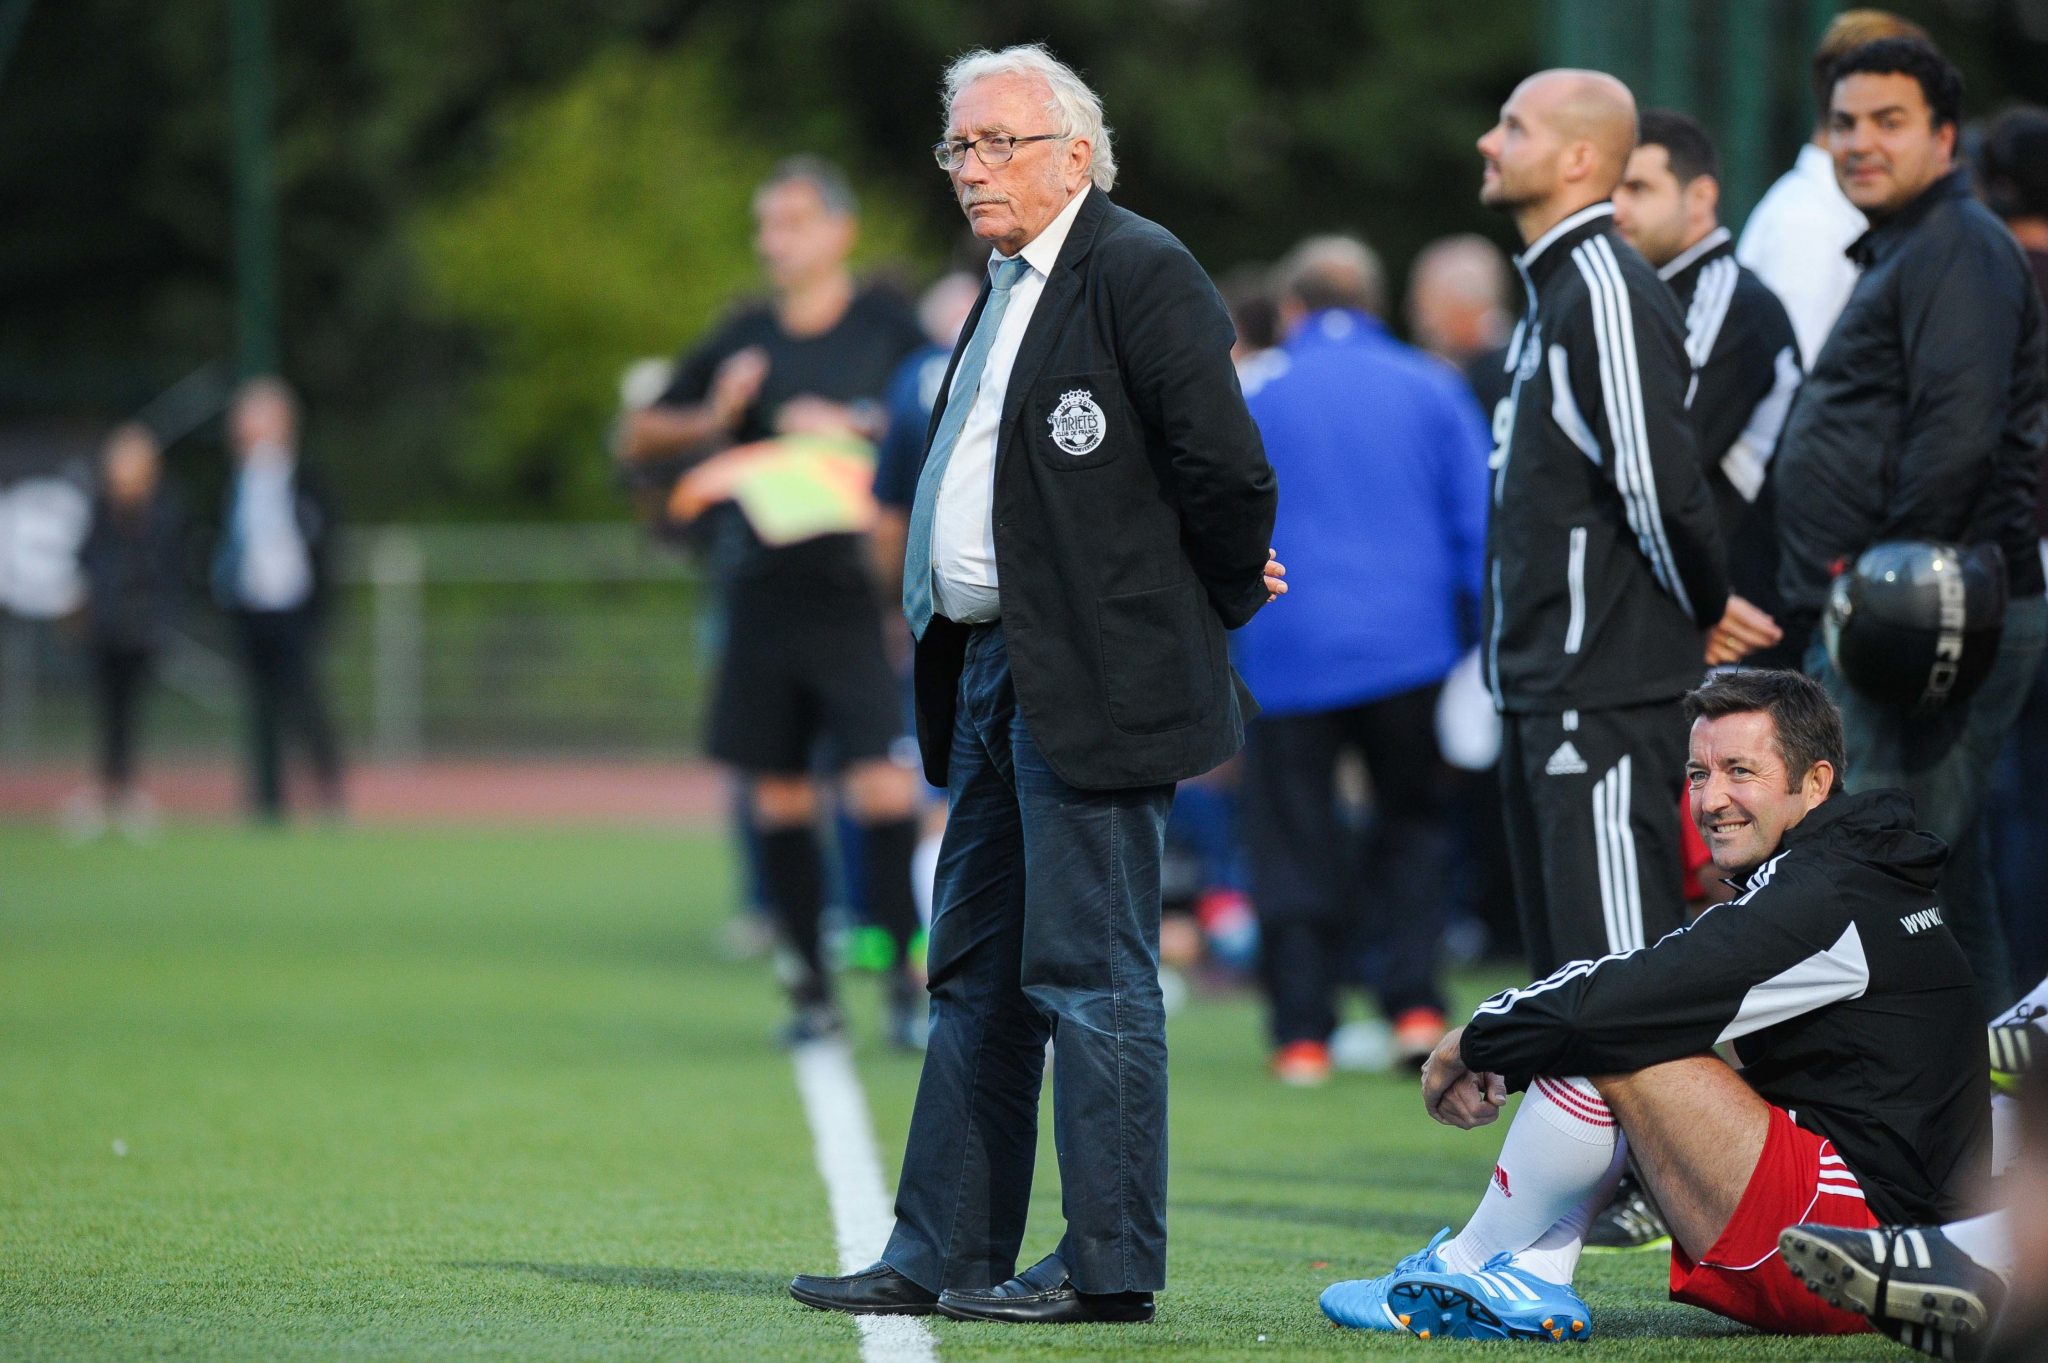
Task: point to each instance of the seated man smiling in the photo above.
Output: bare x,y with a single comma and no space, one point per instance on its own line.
1861,1096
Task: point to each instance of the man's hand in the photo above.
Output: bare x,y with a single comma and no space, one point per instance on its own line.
1453,1094
809,414
1743,630
1276,578
736,384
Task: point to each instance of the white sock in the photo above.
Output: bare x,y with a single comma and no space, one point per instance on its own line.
1557,1169
924,869
2005,1133
1555,1257
1987,1239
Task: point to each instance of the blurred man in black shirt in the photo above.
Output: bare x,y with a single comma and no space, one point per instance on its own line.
802,658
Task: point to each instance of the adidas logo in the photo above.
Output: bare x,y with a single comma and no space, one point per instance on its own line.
1565,761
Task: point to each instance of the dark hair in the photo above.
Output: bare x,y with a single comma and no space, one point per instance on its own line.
1851,29
1333,271
835,191
1809,726
2013,164
1248,295
1686,144
1941,85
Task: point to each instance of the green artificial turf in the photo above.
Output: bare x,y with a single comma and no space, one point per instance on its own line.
410,1095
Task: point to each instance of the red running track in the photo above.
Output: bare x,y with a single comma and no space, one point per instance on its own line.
480,791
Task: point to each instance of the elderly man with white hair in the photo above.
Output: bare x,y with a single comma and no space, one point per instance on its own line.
1093,512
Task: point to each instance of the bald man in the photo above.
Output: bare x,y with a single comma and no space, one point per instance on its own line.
1458,307
1606,584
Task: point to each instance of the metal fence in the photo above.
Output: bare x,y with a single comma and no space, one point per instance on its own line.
446,640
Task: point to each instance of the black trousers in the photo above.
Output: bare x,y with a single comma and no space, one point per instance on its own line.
1592,799
280,656
1328,893
120,676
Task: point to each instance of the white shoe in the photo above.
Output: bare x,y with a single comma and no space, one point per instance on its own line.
83,818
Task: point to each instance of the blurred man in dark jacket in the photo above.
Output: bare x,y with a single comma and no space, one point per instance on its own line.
2013,174
130,562
1923,419
270,575
1745,359
1385,453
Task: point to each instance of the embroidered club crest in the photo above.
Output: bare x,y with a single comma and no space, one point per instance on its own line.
1077,423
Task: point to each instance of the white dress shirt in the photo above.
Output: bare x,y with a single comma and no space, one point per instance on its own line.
276,570
964,586
1794,241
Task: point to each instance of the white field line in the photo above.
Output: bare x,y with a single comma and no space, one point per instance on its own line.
862,1216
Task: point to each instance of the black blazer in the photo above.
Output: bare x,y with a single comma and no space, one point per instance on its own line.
1133,510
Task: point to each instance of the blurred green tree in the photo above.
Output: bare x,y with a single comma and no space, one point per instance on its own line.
445,378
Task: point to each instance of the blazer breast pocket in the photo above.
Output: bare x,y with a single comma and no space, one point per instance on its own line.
1077,421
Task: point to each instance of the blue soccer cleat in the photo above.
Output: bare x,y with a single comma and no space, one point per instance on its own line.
1361,1303
1500,1301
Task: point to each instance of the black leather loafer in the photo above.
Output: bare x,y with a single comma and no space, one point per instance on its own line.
1043,1294
877,1290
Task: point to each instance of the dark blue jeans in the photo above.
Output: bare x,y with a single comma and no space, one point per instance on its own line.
280,655
1946,762
1045,926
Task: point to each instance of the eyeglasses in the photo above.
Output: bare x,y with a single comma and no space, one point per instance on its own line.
995,149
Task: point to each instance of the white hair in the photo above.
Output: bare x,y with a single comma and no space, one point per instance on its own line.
1073,106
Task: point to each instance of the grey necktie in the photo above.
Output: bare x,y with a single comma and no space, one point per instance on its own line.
917,549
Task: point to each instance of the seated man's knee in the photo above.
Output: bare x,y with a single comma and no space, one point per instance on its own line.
1690,1075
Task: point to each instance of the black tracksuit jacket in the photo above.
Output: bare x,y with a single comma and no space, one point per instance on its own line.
1745,374
1604,562
1927,409
1847,998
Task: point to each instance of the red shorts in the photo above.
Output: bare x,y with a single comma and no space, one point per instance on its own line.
1692,850
1798,1178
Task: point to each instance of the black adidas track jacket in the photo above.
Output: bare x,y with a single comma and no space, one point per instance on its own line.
1604,563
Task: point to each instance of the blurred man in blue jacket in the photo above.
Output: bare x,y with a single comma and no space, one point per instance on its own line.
1383,452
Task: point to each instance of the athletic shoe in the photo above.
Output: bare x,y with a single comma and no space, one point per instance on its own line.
1930,1340
1302,1064
1906,1275
906,1013
1416,1033
1631,1221
83,817
1500,1301
1361,1303
813,1022
2012,1055
746,936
